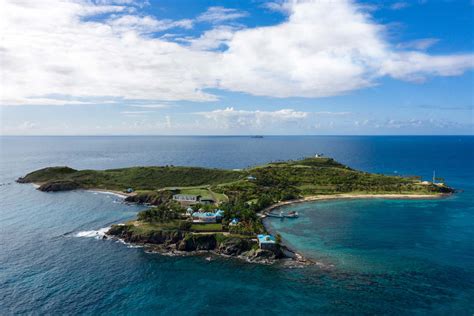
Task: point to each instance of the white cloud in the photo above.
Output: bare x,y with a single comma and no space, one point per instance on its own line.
48,48
212,39
278,6
324,48
27,125
399,5
146,24
232,118
221,14
420,44
41,101
416,66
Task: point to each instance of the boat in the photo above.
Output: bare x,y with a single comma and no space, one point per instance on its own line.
276,215
257,136
292,214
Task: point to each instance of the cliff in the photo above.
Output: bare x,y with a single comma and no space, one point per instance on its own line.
175,241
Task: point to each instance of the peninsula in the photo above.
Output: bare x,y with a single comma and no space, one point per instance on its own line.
198,209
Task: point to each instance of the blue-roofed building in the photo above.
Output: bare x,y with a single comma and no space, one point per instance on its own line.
267,242
234,222
219,215
207,217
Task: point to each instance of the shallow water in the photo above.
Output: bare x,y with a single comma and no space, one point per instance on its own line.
390,257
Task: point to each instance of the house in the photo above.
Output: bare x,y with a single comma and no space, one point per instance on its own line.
234,222
267,242
129,190
251,178
219,215
207,217
187,198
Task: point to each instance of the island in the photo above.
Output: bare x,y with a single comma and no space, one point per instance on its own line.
195,210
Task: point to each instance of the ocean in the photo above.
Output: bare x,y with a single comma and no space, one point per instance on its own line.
379,256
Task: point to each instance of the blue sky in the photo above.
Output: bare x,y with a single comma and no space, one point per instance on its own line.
129,67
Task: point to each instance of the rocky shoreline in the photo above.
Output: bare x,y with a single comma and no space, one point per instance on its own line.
178,243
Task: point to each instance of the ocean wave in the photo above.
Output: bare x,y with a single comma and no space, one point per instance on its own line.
98,234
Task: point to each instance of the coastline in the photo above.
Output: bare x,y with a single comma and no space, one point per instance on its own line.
292,256
300,257
112,192
350,196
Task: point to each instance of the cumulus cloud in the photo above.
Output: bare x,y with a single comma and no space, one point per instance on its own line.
213,39
323,48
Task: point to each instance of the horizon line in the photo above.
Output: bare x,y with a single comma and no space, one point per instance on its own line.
233,135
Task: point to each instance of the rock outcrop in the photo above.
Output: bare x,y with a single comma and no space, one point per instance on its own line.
60,185
234,246
186,242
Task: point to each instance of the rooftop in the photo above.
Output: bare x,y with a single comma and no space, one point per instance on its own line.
269,239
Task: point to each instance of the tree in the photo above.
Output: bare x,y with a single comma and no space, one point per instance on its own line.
185,225
160,214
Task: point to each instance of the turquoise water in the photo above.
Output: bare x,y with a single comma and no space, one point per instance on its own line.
380,256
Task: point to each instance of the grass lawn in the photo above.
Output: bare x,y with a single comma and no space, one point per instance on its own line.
144,227
215,227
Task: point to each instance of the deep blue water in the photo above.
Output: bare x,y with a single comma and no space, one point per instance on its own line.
385,257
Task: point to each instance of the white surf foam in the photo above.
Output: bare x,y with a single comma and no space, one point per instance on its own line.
98,234
122,196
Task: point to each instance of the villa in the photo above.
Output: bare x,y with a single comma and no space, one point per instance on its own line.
234,222
190,199
186,198
219,215
207,217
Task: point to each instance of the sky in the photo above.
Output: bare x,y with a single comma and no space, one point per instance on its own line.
186,67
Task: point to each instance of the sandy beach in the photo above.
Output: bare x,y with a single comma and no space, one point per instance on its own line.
355,196
114,192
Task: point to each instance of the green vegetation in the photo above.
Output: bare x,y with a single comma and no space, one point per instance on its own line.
162,213
317,176
241,194
214,227
279,180
138,178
